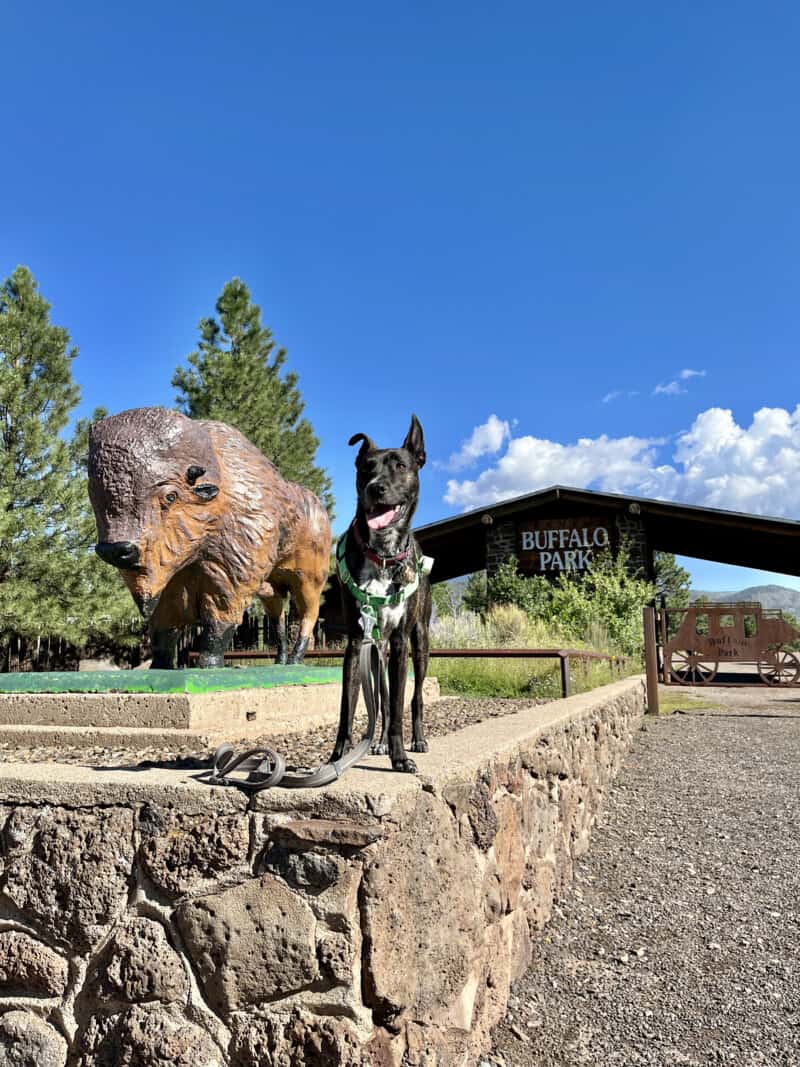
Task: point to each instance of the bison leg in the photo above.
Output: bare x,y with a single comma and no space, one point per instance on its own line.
165,648
306,594
299,650
214,640
274,605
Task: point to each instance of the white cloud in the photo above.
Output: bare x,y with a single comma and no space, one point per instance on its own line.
485,440
716,463
672,388
615,394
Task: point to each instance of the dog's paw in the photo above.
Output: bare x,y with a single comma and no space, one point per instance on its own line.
379,748
407,766
419,746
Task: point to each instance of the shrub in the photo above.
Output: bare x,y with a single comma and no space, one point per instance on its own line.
533,595
605,599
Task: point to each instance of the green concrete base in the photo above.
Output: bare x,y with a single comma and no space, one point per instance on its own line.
191,680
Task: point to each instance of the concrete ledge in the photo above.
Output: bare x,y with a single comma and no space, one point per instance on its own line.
206,717
399,907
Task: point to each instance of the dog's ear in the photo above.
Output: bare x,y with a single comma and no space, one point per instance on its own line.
367,446
415,442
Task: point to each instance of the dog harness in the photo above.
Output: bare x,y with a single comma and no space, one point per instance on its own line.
371,602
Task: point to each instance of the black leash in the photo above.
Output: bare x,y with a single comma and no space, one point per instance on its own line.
264,767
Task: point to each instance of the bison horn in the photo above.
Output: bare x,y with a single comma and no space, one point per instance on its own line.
194,473
206,492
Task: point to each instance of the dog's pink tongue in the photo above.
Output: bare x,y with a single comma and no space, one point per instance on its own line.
379,519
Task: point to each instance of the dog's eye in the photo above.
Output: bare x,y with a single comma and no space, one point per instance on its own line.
400,465
170,498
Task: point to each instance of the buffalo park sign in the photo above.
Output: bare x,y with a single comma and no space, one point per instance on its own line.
552,546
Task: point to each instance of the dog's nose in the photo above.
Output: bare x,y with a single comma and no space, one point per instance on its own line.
379,490
122,554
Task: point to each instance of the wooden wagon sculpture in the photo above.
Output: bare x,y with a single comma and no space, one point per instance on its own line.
714,634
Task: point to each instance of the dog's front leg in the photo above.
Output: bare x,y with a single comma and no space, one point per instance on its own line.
381,747
350,687
398,668
419,657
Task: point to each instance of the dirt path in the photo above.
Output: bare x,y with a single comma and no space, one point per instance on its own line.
679,941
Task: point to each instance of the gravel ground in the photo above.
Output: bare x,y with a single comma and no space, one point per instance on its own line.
300,750
679,940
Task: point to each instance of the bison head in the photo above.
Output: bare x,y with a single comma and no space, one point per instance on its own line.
153,478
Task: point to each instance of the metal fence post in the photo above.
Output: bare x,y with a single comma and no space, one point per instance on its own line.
565,687
651,659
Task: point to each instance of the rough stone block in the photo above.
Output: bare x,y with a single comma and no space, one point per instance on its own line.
508,850
250,943
302,833
423,918
306,869
186,854
137,966
297,1040
69,871
29,968
27,1041
474,800
146,1037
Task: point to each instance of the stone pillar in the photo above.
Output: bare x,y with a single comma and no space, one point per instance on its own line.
501,542
632,535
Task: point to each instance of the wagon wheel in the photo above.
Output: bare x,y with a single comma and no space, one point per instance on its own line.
692,668
780,667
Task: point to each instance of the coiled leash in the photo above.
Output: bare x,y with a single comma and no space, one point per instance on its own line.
265,768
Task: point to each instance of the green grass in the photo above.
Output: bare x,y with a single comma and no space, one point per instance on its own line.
669,703
516,678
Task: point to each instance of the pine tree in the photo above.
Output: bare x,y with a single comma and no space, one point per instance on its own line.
37,394
237,376
673,582
50,584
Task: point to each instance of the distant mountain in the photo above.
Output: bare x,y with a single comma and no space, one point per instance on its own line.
769,596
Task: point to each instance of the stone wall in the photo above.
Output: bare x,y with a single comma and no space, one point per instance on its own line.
149,920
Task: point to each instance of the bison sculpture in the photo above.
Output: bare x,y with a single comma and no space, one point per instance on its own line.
199,522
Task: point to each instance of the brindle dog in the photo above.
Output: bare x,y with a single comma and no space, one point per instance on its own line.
382,557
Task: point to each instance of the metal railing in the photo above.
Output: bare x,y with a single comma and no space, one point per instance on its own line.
564,656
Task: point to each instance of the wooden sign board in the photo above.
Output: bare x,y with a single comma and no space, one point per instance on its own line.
551,546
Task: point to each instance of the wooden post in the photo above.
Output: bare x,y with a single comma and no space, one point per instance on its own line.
651,659
565,688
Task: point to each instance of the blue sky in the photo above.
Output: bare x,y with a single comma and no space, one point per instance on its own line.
566,238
